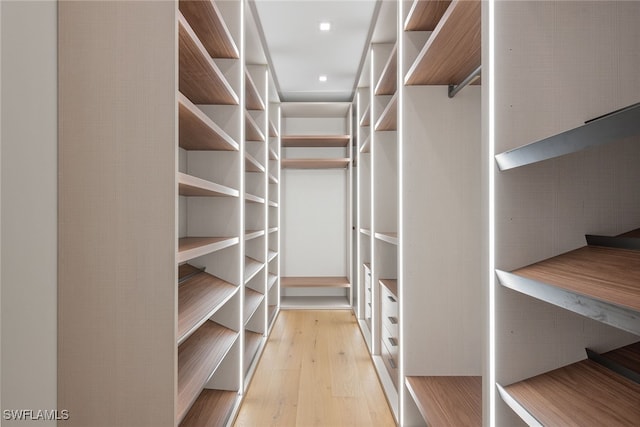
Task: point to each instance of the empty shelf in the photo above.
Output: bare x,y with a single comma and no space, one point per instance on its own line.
273,204
271,280
609,128
252,234
207,22
272,312
193,247
271,255
388,82
366,146
391,284
198,298
315,140
365,231
314,282
272,179
389,118
253,199
251,129
198,132
272,154
315,163
212,408
200,79
366,117
424,15
597,282
251,268
195,187
273,132
583,393
448,401
452,52
387,236
253,101
251,164
198,358
252,300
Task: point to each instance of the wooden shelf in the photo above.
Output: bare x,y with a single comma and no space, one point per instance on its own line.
253,199
315,163
273,132
388,82
272,154
251,164
391,284
365,231
251,268
198,298
628,356
448,401
198,132
315,140
388,237
453,51
315,303
273,204
389,118
273,229
253,100
198,358
207,22
314,282
252,300
251,129
195,187
213,408
366,146
252,342
613,127
597,282
200,79
272,179
271,255
583,393
424,15
272,311
193,247
271,280
253,234
365,120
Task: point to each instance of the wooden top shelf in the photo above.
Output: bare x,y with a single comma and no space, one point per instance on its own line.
200,79
198,298
273,132
391,284
366,117
424,15
448,401
388,82
453,51
253,234
193,247
389,118
315,163
366,146
252,300
212,408
387,236
251,164
198,358
314,282
251,129
251,268
195,187
207,22
583,393
253,100
198,132
315,140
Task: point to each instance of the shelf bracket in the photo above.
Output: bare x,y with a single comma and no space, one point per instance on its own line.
613,366
454,89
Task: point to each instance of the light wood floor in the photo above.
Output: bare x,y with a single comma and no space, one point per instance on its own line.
315,371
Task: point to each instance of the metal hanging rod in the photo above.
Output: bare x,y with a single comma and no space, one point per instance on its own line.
454,89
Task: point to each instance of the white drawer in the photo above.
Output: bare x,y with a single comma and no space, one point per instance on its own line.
389,303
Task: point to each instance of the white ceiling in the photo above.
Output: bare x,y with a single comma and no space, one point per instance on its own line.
300,52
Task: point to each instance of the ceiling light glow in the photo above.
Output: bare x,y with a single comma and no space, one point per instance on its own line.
325,26
322,78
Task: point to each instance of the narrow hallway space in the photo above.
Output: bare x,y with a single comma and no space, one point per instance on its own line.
315,371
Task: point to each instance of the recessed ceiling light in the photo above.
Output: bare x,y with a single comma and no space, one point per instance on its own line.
325,26
322,78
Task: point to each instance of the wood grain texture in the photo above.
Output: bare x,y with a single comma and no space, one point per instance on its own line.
196,187
198,131
200,79
251,268
252,129
579,394
252,342
207,22
628,356
211,409
389,118
251,164
366,231
448,401
388,81
319,282
607,274
387,236
253,100
198,298
315,140
198,357
365,119
452,51
252,300
192,247
424,15
315,371
391,284
315,163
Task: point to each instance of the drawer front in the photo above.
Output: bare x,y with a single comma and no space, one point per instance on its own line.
391,363
367,277
367,310
391,342
391,324
389,303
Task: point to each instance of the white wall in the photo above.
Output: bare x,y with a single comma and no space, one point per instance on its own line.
29,207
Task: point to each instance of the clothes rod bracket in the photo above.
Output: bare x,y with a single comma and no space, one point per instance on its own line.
454,89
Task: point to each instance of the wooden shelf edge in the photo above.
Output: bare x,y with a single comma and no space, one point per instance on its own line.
314,282
253,101
365,120
252,130
251,164
518,408
190,118
271,255
315,163
192,186
391,284
388,237
271,281
251,268
212,408
272,154
193,247
366,146
388,120
365,231
252,301
315,140
253,198
387,83
273,132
